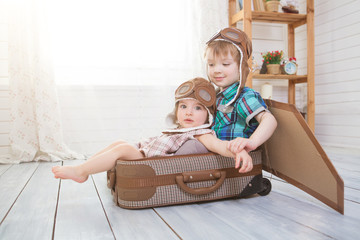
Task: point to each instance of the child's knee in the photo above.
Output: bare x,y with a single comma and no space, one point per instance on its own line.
122,148
114,144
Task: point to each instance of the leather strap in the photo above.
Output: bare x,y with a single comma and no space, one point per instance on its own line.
170,179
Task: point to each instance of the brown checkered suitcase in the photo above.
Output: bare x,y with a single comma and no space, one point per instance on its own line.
292,153
162,181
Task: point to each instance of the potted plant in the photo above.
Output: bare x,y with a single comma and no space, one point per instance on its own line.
272,5
272,61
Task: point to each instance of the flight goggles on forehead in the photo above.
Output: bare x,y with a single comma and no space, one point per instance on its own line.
199,89
234,36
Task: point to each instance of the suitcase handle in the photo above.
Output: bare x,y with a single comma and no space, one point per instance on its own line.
201,176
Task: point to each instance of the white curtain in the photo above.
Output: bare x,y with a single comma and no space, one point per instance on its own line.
36,132
162,47
208,17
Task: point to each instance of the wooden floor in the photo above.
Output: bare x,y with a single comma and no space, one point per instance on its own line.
34,205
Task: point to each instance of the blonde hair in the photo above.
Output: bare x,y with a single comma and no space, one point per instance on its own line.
222,48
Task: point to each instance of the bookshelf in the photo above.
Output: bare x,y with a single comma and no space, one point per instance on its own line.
247,16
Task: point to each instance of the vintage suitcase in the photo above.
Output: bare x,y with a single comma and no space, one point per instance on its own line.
292,154
161,181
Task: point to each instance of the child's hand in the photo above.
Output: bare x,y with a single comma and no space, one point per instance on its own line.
239,144
247,164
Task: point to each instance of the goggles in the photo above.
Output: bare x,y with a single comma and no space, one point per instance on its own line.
234,36
199,89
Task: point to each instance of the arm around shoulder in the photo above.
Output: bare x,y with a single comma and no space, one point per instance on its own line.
213,144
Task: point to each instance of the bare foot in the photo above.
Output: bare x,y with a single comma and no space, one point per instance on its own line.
69,172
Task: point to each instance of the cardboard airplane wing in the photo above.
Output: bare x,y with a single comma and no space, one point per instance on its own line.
294,154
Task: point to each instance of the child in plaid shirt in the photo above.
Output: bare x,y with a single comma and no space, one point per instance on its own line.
195,103
242,117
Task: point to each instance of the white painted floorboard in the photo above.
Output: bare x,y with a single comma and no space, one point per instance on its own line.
34,205
131,224
80,214
32,215
12,183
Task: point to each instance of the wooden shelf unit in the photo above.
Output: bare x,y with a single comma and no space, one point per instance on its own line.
293,78
247,16
274,17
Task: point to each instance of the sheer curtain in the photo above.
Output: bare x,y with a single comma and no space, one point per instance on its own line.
121,42
141,50
158,43
208,16
141,42
36,132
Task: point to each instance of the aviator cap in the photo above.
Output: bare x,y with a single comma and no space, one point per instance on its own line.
199,89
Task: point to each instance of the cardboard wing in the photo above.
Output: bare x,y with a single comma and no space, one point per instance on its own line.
294,154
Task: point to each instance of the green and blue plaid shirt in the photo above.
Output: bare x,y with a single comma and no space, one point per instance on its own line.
240,122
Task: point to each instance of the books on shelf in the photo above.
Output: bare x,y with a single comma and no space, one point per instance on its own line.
256,5
259,5
241,4
262,5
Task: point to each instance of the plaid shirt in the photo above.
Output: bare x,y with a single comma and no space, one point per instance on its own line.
240,122
167,144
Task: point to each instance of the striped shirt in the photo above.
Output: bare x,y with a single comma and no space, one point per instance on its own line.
240,122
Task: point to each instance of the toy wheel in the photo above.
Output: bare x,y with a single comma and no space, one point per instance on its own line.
266,187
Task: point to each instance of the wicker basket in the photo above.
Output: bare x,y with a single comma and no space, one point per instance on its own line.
273,69
272,6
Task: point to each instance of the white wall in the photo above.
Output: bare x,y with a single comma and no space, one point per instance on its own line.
337,73
95,116
4,93
4,120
